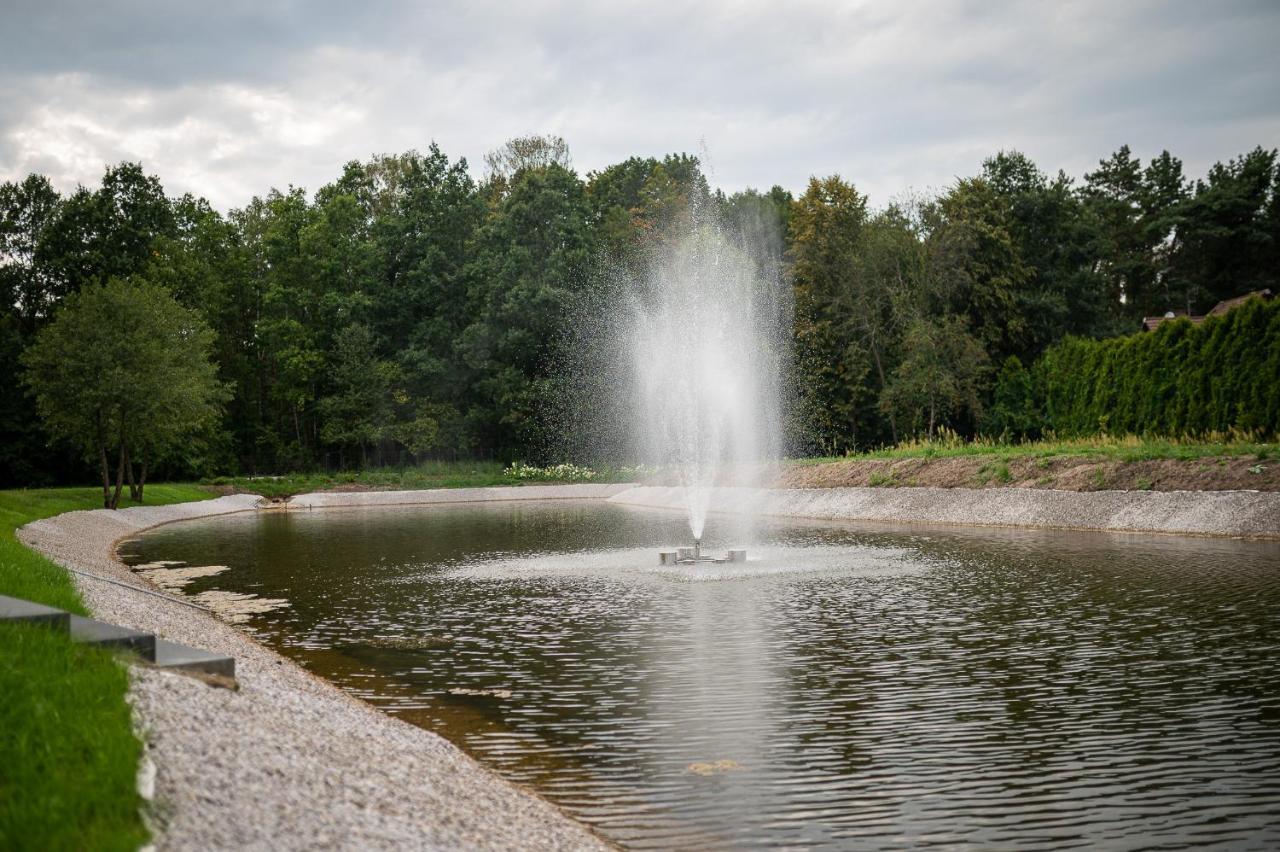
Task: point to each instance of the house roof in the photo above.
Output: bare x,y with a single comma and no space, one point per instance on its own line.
1151,323
1228,304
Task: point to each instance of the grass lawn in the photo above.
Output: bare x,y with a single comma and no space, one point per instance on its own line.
1126,448
463,474
68,756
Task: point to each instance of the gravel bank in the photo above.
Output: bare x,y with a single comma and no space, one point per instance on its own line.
1243,514
288,761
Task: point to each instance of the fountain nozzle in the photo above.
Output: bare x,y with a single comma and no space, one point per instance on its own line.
693,555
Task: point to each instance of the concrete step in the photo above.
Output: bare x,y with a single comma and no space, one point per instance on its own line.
91,632
16,609
171,655
160,652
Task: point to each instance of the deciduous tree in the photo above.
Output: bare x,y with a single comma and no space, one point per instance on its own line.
123,370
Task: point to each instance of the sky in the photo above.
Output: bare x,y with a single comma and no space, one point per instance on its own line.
228,99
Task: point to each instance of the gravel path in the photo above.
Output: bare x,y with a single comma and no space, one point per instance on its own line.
288,761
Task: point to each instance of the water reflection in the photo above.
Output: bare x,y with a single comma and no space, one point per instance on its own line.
863,687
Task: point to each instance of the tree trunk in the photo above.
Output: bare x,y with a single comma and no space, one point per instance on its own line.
893,421
106,478
133,487
142,477
115,497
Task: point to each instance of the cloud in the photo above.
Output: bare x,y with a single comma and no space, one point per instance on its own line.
227,100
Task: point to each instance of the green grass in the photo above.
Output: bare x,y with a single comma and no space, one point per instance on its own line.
24,574
68,756
997,470
427,475
1125,448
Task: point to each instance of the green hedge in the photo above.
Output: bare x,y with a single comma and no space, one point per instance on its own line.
1179,380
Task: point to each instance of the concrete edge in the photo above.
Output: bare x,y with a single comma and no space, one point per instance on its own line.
1227,514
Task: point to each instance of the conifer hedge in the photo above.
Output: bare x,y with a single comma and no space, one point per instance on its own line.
1179,380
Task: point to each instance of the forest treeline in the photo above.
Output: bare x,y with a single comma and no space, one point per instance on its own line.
407,310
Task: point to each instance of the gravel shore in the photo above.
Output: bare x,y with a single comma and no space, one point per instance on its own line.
1238,514
287,761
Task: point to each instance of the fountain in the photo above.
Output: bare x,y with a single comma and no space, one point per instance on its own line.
705,329
693,556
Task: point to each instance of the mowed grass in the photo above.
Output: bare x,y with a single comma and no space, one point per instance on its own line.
68,756
1127,448
435,474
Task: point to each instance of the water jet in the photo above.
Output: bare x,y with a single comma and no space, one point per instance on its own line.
705,332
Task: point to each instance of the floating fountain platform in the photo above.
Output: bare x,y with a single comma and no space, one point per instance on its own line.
693,556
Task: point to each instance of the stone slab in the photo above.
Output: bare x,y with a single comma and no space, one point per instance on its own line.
91,632
171,655
18,610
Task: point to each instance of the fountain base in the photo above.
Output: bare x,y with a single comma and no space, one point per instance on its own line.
693,556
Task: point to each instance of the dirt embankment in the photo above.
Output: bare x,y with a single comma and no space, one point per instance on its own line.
1062,473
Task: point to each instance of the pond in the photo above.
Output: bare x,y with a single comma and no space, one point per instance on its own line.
848,687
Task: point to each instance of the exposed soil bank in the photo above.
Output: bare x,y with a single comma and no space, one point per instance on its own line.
287,761
1244,514
1057,473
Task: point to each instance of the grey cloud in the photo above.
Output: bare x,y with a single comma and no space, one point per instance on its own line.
231,98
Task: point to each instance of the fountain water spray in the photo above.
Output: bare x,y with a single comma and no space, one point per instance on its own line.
678,360
708,337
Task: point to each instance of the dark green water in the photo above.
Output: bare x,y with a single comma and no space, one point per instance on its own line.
849,688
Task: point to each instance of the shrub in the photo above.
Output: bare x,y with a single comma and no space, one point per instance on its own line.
1222,376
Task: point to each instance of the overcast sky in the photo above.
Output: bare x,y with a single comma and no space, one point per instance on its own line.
227,98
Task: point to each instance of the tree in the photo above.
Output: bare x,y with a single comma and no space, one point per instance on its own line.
28,293
827,224
26,211
123,369
423,221
287,348
1055,238
761,218
940,378
1013,413
639,203
985,277
526,152
1164,195
532,255
358,412
1225,236
108,232
1113,194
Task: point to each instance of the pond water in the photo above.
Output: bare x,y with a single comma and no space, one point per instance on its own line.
849,687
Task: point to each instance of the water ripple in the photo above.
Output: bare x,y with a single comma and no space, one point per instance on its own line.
849,688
